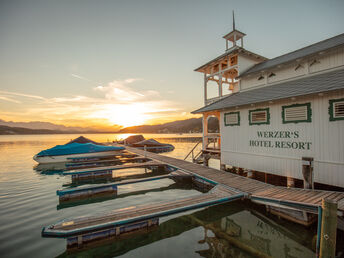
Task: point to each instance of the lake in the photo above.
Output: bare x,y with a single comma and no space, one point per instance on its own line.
28,202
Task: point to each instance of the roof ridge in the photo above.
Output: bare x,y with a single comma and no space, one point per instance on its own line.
300,87
342,34
290,53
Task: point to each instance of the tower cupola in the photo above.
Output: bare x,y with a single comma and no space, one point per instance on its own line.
234,36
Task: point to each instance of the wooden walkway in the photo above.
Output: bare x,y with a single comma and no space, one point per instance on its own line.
78,226
229,187
108,168
304,199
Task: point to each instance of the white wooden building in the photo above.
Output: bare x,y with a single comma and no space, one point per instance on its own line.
273,113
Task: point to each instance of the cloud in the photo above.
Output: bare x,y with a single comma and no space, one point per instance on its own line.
121,92
21,95
84,78
117,102
9,99
73,99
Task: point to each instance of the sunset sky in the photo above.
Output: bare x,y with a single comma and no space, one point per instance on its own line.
102,63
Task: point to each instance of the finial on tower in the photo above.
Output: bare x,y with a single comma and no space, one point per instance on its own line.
234,35
233,20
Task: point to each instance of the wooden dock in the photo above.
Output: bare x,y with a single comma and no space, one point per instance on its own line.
304,199
228,187
127,216
110,168
111,188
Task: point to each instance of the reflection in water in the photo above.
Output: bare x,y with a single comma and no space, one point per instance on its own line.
136,191
28,202
228,231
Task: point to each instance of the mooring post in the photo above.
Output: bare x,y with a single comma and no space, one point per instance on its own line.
290,182
307,172
328,229
145,151
250,174
317,250
223,167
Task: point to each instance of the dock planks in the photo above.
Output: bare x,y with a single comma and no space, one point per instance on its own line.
67,228
108,168
228,187
253,188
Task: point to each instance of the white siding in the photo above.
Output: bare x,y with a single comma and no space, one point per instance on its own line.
252,81
326,138
329,60
244,63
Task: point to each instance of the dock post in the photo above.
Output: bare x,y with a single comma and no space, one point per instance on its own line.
290,182
328,229
317,250
223,167
145,151
307,172
250,173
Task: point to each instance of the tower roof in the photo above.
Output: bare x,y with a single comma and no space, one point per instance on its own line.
230,35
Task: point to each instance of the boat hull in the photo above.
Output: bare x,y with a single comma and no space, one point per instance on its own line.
66,158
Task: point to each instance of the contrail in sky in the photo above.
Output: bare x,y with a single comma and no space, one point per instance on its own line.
84,78
21,94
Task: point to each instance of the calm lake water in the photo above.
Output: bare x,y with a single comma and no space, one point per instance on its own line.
28,202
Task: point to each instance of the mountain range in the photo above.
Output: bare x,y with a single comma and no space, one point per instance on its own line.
193,125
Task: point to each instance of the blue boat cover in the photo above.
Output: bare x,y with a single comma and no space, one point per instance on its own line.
77,148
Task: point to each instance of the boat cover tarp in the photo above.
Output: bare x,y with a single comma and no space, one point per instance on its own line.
150,142
134,139
77,148
82,139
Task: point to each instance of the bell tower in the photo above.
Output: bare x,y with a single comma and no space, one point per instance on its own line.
234,36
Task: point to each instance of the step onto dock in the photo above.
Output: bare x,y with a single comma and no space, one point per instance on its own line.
127,216
302,199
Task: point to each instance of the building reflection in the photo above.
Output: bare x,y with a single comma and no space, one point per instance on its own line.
228,231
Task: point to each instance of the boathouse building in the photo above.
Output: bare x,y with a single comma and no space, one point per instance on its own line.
279,116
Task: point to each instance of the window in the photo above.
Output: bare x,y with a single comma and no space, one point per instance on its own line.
336,109
232,118
297,113
259,116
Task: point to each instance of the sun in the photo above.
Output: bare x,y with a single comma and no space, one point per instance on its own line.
127,115
124,114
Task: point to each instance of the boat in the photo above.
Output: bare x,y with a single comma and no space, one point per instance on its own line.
132,139
69,151
153,146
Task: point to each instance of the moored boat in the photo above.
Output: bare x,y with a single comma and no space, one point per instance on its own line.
153,146
63,153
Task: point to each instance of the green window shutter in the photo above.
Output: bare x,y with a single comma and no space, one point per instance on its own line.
297,113
232,118
259,116
336,109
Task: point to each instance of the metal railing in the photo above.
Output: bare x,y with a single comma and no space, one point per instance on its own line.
192,151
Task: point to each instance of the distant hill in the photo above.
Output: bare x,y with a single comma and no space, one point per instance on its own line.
38,125
5,130
193,125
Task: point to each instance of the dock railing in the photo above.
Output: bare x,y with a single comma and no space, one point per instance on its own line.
212,141
192,152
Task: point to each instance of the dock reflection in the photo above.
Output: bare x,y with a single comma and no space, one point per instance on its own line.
229,230
74,203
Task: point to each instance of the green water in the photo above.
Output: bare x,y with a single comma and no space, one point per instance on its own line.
28,202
